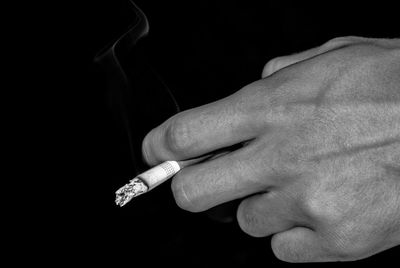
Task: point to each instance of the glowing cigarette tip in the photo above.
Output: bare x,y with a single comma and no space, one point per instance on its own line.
146,181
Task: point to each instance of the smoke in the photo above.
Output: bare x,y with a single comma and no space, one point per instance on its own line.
138,97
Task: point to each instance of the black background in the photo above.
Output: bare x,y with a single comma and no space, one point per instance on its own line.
205,50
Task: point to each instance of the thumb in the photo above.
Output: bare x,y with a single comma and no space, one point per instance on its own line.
278,63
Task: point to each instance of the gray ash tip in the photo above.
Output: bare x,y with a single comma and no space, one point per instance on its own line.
134,188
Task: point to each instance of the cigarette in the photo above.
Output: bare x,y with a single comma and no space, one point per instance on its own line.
146,181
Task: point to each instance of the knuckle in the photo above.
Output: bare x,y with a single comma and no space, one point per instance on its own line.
323,208
346,245
343,239
182,196
178,136
322,213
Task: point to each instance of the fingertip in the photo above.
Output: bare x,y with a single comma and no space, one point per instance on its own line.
182,195
268,69
285,247
297,245
153,148
145,150
278,63
247,220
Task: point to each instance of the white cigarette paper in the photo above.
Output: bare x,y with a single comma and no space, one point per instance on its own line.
146,181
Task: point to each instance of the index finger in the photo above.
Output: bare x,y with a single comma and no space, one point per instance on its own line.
198,131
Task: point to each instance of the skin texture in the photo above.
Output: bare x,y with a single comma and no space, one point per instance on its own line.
319,168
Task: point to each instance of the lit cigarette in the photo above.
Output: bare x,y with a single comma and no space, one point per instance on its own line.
146,181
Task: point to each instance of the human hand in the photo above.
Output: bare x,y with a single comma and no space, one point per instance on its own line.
319,168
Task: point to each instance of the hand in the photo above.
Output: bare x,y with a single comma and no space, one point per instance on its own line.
319,168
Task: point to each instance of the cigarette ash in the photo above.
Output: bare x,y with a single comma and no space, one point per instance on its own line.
134,188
